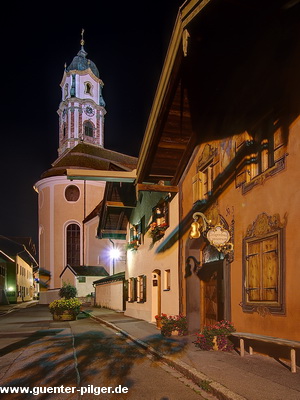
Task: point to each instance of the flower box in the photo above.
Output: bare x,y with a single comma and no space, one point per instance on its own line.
215,337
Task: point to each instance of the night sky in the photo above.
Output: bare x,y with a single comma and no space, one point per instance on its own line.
126,40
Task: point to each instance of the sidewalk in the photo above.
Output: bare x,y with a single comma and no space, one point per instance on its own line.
6,308
227,375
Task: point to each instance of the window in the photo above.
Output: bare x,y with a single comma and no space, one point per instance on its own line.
66,91
88,129
72,193
88,88
167,280
202,183
141,288
132,292
73,245
160,214
64,130
263,271
136,233
81,279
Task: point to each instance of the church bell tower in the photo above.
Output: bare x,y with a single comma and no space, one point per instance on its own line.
82,108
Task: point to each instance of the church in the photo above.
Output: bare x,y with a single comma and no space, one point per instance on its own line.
68,210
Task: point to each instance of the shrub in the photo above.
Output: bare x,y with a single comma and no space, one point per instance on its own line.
68,291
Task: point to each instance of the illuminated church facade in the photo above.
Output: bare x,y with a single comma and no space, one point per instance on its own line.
68,210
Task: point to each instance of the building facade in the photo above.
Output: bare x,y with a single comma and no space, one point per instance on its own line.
224,130
17,266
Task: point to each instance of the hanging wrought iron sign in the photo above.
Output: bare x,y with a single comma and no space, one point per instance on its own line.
217,235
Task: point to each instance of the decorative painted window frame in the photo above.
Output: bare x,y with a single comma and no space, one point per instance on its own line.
263,227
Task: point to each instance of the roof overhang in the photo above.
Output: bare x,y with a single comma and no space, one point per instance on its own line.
97,175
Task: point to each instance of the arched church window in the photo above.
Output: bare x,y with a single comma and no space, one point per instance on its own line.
88,128
73,245
72,193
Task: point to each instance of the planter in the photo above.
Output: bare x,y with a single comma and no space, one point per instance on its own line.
215,343
65,316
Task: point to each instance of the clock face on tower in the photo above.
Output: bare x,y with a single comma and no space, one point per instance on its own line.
89,111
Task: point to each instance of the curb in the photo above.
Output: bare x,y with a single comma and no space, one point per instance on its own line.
202,380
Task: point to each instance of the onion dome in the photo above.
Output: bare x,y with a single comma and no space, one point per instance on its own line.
81,63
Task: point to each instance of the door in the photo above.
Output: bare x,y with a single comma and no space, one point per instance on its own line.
212,293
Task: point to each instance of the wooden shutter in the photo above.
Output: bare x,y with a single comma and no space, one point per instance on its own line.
198,182
270,269
253,272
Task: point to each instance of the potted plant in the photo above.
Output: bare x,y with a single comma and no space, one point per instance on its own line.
133,245
156,231
68,306
65,309
174,325
215,337
159,319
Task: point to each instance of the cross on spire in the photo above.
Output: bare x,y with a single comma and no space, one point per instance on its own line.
82,41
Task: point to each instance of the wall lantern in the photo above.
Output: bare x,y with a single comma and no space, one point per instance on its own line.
217,235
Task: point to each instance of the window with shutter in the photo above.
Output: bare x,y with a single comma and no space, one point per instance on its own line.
132,290
141,288
202,183
263,272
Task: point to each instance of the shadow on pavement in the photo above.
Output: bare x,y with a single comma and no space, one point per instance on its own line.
53,358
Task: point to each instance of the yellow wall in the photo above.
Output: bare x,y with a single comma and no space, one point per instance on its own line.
24,279
279,194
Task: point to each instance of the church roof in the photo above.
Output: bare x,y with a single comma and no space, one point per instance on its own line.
88,156
86,270
81,63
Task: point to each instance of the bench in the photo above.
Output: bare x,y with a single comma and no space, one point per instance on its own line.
292,344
